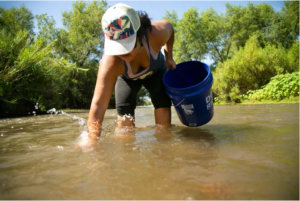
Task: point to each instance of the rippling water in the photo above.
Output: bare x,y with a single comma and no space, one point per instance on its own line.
245,152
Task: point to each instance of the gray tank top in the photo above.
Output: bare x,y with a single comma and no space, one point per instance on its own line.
157,62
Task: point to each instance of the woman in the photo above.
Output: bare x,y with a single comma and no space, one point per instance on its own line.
132,58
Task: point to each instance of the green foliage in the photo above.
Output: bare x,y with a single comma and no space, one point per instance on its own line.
215,36
185,46
172,17
286,24
31,70
142,96
46,27
30,73
83,39
220,36
280,87
293,56
246,21
262,45
16,19
81,43
249,69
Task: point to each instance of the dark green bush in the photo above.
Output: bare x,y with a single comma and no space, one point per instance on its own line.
251,68
279,88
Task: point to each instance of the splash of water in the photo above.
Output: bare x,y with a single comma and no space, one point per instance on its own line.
83,138
52,111
81,121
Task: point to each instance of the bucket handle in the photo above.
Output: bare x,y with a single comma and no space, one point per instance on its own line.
180,102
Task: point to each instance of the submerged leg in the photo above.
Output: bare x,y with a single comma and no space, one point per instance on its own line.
125,121
163,123
159,98
163,116
126,128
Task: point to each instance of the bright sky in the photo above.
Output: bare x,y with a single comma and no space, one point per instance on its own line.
155,9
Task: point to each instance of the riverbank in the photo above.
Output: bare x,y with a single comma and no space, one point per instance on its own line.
293,100
251,102
285,101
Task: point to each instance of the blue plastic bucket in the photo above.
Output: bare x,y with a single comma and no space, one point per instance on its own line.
189,87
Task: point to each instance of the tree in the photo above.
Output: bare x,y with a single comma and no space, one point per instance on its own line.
16,19
286,25
190,41
246,21
81,43
30,70
46,27
216,35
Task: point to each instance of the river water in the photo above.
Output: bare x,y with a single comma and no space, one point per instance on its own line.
244,152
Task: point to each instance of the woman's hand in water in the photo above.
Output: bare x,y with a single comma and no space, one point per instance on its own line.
87,141
90,137
170,63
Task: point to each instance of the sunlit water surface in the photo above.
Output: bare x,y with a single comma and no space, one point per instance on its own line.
244,152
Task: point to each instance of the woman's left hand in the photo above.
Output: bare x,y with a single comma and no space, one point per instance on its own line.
170,63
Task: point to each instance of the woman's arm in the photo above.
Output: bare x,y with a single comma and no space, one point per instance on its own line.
164,36
168,47
109,70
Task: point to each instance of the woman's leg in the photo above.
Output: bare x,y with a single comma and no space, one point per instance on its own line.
163,122
125,121
159,98
126,96
163,116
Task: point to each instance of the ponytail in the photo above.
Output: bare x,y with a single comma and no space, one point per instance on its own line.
145,24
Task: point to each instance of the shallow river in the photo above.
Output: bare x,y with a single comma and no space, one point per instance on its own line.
244,152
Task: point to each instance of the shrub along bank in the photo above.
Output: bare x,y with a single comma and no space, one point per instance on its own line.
252,68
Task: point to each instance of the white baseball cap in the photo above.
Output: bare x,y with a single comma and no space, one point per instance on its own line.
120,24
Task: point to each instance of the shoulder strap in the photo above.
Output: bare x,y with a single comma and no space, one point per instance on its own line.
125,66
147,42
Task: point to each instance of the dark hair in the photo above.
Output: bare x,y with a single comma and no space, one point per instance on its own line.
145,24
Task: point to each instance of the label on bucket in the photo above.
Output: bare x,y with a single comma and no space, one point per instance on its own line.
190,114
188,109
209,101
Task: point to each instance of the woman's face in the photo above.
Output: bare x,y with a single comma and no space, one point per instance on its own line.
131,55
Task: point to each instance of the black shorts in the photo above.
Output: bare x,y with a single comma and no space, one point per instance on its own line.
126,93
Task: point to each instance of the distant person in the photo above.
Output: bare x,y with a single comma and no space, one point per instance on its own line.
132,58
